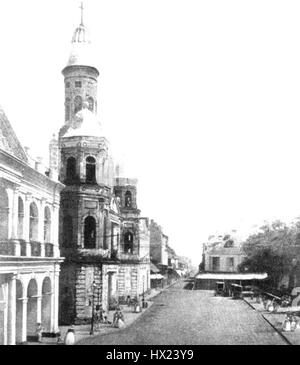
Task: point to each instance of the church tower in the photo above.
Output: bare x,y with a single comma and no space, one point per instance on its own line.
80,74
89,218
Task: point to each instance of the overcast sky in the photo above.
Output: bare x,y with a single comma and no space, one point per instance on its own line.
203,97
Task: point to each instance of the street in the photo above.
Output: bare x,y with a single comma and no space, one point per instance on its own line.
186,317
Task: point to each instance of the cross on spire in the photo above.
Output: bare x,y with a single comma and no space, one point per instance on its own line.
82,8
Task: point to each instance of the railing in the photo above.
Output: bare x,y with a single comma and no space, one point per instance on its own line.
7,248
128,256
49,251
15,247
35,248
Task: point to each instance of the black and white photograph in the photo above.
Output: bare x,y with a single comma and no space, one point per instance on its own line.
149,175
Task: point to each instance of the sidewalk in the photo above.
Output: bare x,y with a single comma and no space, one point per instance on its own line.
275,320
82,331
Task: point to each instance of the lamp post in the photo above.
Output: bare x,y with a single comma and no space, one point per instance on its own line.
93,308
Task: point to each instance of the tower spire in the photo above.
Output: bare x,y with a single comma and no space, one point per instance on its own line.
81,8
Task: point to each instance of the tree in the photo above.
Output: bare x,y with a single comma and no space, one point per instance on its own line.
272,250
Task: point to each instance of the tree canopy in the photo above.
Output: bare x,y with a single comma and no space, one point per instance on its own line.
272,250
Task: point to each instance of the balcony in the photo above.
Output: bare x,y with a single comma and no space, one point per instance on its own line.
21,248
125,256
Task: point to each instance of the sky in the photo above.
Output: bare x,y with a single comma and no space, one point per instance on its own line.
201,97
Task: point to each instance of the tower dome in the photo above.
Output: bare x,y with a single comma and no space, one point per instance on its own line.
81,51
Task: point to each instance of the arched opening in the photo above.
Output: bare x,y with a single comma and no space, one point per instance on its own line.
34,222
77,104
67,109
19,311
90,170
71,170
20,217
67,231
128,242
91,103
47,225
32,293
3,214
46,304
128,199
90,232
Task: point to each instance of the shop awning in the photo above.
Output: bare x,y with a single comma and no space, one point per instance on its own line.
156,276
231,276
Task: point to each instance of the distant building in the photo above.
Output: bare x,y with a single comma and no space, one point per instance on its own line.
222,254
158,245
29,252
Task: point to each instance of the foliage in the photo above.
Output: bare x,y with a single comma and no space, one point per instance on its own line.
272,250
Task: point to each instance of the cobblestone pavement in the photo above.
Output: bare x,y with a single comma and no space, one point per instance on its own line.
187,317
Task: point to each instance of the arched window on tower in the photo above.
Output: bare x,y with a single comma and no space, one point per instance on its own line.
71,170
67,231
20,217
91,103
77,104
90,170
128,199
33,222
128,242
89,232
67,109
47,225
3,214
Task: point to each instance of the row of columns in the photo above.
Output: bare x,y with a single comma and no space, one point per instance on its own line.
10,314
13,220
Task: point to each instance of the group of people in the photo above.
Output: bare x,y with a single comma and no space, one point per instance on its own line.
99,317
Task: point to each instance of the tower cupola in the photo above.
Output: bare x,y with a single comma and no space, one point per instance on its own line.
80,74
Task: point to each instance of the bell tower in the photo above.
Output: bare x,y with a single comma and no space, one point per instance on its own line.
80,74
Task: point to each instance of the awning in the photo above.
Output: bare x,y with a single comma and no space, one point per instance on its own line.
229,276
156,276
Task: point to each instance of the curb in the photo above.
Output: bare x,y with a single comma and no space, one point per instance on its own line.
276,329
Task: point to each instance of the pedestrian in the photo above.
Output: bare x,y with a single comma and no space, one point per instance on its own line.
118,320
59,339
38,331
70,336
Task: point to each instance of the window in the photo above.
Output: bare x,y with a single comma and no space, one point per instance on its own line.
68,84
47,225
3,214
71,170
67,109
215,263
230,263
67,231
77,104
20,217
78,84
128,199
33,222
128,242
229,244
89,232
90,170
91,104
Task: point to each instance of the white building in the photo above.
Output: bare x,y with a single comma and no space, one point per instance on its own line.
29,252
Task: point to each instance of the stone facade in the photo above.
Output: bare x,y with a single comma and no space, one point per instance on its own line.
29,251
102,236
